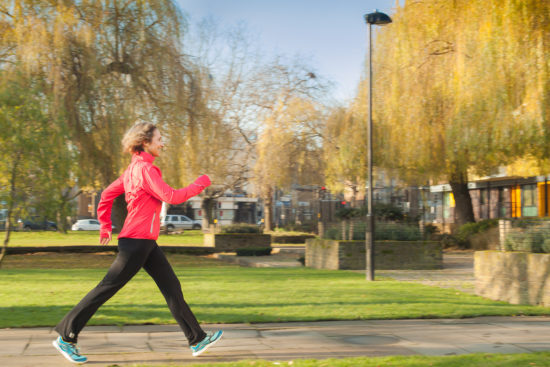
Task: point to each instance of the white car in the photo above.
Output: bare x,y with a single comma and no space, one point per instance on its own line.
172,222
86,225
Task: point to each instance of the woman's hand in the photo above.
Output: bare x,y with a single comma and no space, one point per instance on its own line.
203,181
106,240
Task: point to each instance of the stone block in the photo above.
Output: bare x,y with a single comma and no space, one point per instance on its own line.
351,255
229,242
514,277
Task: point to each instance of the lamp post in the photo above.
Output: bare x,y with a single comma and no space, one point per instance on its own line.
375,18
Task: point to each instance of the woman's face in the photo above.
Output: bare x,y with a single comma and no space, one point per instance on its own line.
155,146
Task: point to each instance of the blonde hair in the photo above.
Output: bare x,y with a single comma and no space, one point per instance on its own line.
136,136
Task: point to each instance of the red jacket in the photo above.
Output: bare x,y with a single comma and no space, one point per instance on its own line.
145,191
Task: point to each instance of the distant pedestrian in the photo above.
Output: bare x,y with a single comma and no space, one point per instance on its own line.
145,191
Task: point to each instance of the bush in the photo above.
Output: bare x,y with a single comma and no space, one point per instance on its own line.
383,231
307,227
388,212
430,230
531,239
382,212
467,230
333,233
397,232
254,251
348,213
448,240
241,228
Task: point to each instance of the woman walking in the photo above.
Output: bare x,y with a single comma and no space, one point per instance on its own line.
137,248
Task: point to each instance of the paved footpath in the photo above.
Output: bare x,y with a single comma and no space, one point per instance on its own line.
165,344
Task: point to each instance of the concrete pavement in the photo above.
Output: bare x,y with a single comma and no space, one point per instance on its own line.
164,344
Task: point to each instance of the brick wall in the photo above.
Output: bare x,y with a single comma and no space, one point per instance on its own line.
515,277
332,254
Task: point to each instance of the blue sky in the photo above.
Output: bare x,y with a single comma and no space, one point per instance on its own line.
330,35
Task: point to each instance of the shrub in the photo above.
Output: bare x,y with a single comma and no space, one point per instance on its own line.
254,251
382,212
397,232
383,231
531,239
430,230
467,230
241,228
448,240
348,213
387,212
307,226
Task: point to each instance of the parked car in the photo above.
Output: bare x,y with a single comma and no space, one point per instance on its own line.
37,223
172,222
87,225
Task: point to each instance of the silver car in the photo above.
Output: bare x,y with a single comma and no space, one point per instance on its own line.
173,222
86,225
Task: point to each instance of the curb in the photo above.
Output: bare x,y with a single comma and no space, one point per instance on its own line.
94,249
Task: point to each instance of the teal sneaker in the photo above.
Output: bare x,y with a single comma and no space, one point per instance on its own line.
206,343
69,351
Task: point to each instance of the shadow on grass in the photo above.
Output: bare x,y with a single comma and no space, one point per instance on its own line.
254,312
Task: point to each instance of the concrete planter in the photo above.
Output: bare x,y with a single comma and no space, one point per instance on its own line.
514,277
229,242
351,255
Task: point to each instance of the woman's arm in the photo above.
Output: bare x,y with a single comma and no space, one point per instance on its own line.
105,207
154,185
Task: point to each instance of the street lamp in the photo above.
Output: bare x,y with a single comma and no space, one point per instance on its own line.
375,18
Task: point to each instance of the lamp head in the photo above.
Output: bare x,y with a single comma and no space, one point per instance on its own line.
377,18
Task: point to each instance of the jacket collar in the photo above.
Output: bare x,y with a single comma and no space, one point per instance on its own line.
143,156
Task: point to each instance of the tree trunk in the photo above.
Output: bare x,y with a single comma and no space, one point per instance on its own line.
64,209
354,196
208,211
10,206
268,210
61,222
6,238
464,211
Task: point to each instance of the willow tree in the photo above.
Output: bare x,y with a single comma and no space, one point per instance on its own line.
289,149
106,64
345,152
461,86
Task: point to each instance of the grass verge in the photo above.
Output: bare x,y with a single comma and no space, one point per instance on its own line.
220,293
539,359
87,238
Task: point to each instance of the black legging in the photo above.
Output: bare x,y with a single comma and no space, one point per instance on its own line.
133,254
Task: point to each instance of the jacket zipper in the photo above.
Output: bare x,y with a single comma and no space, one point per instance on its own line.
153,222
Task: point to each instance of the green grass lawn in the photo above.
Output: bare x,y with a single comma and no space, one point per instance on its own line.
539,359
217,293
86,238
